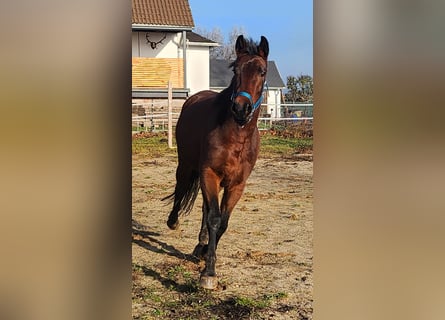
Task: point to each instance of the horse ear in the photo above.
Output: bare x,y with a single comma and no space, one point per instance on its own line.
240,46
263,48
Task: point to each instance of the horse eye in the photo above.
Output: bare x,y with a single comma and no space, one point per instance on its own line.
263,72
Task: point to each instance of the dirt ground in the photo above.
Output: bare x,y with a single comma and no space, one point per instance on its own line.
264,260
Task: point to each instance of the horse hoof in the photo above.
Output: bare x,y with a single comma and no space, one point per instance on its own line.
173,224
208,282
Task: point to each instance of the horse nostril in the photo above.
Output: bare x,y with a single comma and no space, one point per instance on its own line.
242,109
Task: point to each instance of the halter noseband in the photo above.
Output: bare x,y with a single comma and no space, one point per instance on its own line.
248,96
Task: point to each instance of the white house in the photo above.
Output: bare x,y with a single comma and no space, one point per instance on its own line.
164,49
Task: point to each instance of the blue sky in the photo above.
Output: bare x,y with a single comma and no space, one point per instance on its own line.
287,24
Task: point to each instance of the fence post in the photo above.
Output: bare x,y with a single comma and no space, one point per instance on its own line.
170,115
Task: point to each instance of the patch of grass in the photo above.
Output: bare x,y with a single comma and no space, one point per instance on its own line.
137,268
277,296
152,145
157,312
183,279
252,303
275,145
259,303
174,272
200,303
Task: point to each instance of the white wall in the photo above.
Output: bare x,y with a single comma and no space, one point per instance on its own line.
274,103
169,48
198,64
198,68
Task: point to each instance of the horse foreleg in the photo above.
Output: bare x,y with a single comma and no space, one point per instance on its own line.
210,189
230,199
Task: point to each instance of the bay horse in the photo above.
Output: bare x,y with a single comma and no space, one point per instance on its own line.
218,142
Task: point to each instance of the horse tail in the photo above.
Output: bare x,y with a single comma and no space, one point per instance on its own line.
185,194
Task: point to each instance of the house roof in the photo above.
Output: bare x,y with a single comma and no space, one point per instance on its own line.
168,14
221,74
196,38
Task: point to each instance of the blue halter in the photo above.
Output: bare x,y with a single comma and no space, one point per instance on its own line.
248,96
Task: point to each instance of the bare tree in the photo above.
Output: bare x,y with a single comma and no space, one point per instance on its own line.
229,46
215,35
226,50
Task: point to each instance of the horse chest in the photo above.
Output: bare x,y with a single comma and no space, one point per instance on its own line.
231,154
237,166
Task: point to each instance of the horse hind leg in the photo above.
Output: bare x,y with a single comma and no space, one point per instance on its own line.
200,250
173,218
186,190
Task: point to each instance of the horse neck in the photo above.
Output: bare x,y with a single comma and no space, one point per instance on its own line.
225,99
226,94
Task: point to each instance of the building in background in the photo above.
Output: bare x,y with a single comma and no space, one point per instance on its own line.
164,49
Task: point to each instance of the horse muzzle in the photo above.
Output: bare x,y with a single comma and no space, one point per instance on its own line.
243,107
242,113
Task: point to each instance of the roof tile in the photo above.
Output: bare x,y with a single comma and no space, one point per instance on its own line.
162,12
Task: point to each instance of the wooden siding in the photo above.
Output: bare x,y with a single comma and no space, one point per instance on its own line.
156,72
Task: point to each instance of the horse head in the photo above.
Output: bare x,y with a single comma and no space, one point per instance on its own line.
250,68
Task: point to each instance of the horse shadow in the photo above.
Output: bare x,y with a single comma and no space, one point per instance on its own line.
147,240
169,284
